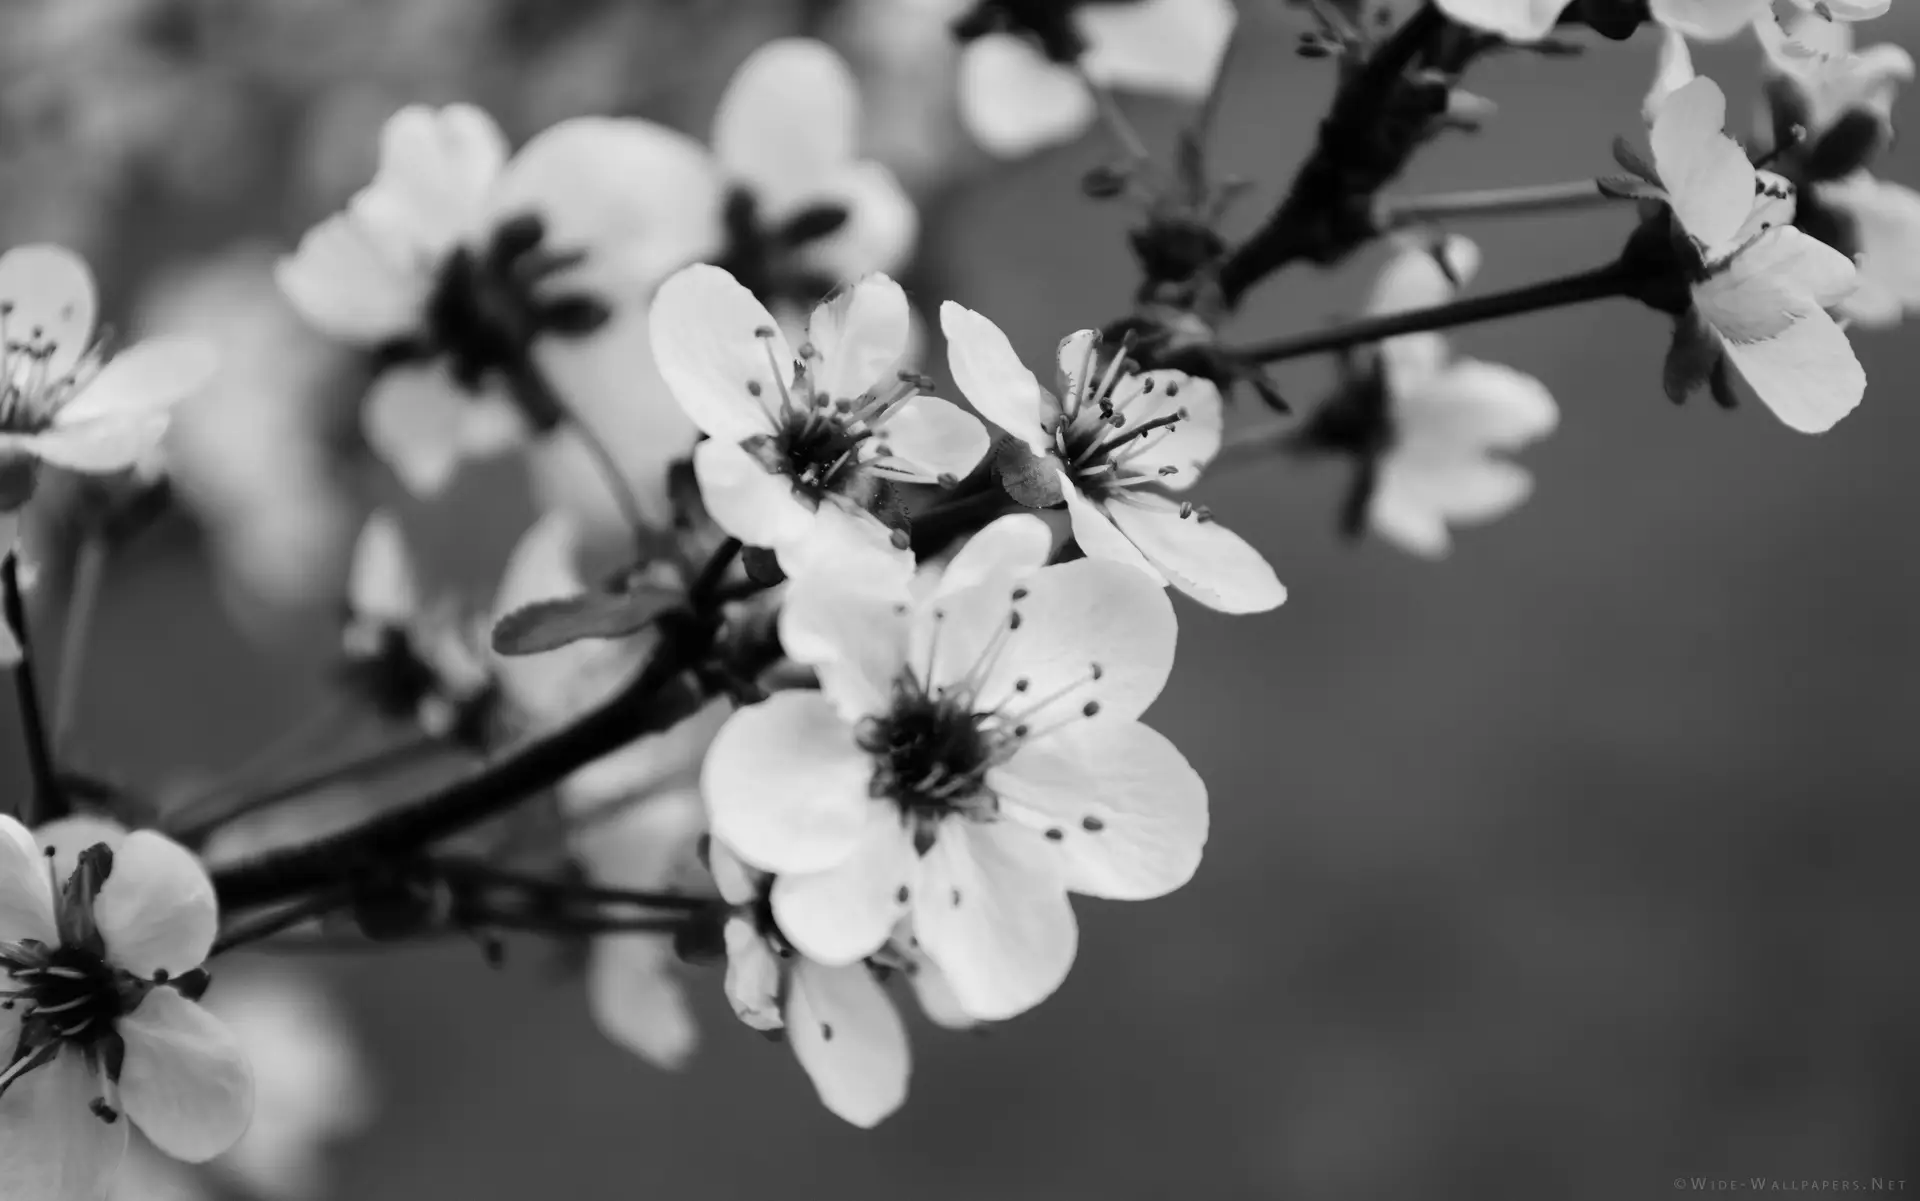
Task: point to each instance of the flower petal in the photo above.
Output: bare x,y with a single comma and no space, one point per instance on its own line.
1471,405
753,976
1709,20
1515,20
992,378
706,340
1120,805
99,447
849,1038
637,1001
26,888
1807,373
1182,451
157,910
788,122
381,583
925,439
1098,537
186,1081
52,1148
579,177
614,393
64,839
437,167
52,300
1709,182
757,506
1202,558
860,334
1167,46
1886,220
1675,71
786,786
1014,101
846,913
993,913
1009,548
147,378
348,285
413,417
881,228
1416,496
852,635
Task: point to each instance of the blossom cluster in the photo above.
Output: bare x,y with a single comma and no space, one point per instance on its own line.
824,665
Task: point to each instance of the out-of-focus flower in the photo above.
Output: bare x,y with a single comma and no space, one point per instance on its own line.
1424,428
249,454
904,54
973,756
97,929
62,401
414,661
1831,116
495,290
843,1029
804,213
1023,72
1763,288
1102,444
801,446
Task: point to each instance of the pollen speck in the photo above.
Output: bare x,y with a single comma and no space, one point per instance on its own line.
1090,708
1092,825
1056,834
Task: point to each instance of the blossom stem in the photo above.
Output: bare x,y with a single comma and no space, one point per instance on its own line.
1390,213
539,395
485,875
47,800
89,569
192,828
278,921
294,739
1114,117
658,696
1613,279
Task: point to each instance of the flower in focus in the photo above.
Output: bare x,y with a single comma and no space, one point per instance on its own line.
1423,427
1532,20
1102,444
500,294
802,447
973,756
803,212
1761,288
99,931
62,400
843,1029
413,661
1832,115
1026,66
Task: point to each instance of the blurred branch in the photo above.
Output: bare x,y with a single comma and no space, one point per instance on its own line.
48,801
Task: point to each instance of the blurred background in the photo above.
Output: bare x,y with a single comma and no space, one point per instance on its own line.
1577,862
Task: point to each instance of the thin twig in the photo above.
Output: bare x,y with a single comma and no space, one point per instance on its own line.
89,569
486,875
191,828
1392,213
48,801
277,921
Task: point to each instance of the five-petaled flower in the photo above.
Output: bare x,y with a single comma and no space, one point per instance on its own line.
802,446
1760,289
1025,71
1103,443
99,931
1423,427
973,756
1704,20
503,296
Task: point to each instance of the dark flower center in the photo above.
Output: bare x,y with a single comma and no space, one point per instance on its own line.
387,666
931,755
770,260
489,306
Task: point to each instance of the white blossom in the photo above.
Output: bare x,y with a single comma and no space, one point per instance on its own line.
1446,417
973,756
1532,20
1761,298
1015,99
799,443
504,288
1112,438
96,925
844,1031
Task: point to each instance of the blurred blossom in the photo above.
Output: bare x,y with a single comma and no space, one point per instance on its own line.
907,61
250,453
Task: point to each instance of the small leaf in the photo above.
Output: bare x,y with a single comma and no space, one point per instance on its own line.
1630,160
551,624
1032,480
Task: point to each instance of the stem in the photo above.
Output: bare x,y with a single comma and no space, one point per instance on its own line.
1613,279
487,876
280,747
89,568
538,395
1114,118
646,705
277,921
1392,213
191,829
47,801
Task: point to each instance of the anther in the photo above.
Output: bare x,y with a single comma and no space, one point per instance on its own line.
1091,708
1022,684
1186,509
1098,671
104,1111
1056,834
1019,594
1092,825
753,387
764,331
